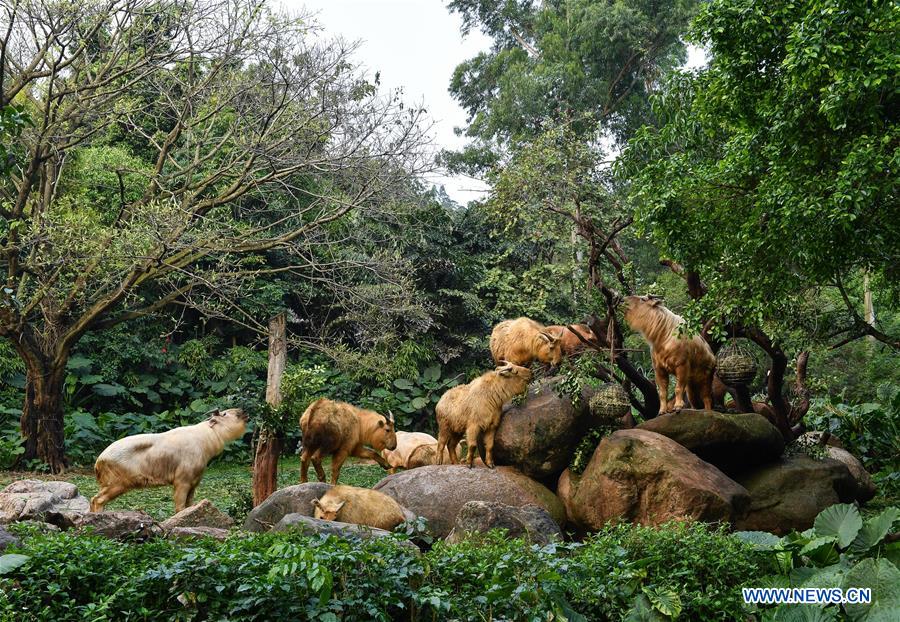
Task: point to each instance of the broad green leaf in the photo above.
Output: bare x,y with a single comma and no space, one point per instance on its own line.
665,601
883,578
403,384
874,530
419,403
11,561
642,611
841,520
432,374
108,390
827,577
804,613
822,551
761,540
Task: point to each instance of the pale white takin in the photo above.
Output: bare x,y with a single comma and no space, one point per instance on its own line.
177,458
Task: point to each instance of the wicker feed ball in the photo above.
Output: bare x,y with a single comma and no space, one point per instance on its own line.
610,402
735,365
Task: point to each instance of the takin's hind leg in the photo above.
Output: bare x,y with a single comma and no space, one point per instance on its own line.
471,444
444,440
453,450
337,461
662,387
693,396
106,494
317,465
706,393
304,465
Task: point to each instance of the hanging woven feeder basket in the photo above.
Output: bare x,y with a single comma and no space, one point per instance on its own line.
610,402
735,364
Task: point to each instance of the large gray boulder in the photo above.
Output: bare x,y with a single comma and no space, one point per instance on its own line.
203,514
291,500
314,526
439,492
731,442
643,477
790,493
32,499
539,436
529,522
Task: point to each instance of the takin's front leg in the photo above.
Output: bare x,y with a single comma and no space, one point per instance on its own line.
371,454
706,393
105,495
662,387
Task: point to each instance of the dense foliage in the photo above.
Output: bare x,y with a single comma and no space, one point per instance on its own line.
678,570
773,172
840,550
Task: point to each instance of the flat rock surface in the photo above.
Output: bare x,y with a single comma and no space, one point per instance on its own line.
32,499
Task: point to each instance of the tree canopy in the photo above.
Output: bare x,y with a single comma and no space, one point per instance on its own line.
773,170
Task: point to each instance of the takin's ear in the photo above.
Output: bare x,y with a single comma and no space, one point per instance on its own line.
655,302
212,421
338,507
381,423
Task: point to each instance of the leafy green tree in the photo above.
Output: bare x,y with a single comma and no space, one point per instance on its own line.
258,138
773,173
586,61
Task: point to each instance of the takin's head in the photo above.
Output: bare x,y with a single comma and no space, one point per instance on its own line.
548,347
638,309
327,507
229,424
384,436
516,375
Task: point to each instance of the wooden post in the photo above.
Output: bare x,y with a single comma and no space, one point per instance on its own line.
270,443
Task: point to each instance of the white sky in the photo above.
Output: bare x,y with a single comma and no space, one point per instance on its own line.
416,45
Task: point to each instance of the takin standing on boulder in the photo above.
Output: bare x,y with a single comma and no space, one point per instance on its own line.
475,408
177,457
522,341
360,506
690,359
341,430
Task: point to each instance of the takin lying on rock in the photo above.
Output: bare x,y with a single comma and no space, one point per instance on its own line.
341,430
690,359
409,452
474,409
360,506
177,457
522,341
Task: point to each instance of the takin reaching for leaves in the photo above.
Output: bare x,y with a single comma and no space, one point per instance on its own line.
341,430
690,359
177,457
360,506
569,343
522,341
475,408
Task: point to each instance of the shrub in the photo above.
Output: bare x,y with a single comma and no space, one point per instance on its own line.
691,572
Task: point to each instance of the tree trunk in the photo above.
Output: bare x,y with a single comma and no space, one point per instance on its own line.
42,414
268,448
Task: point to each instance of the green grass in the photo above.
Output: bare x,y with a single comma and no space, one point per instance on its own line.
223,483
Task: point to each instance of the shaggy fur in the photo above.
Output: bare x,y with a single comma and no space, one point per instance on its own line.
177,457
475,408
360,506
569,344
522,341
691,360
341,430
